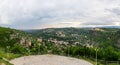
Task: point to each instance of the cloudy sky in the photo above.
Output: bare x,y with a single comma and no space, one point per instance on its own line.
35,14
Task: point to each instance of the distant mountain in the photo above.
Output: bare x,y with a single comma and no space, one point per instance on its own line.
109,26
100,26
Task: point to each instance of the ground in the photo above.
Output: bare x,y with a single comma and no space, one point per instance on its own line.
48,60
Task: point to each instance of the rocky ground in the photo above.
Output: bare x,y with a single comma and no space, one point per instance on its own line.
48,60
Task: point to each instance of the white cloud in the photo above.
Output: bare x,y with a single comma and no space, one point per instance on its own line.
51,13
4,20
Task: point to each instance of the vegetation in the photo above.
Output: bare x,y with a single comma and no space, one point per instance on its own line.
84,42
75,42
9,39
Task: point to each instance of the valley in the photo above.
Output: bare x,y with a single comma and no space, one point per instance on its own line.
81,43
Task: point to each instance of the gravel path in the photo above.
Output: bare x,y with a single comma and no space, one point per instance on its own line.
48,60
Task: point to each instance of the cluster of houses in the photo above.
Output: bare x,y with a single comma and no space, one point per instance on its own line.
88,43
57,42
29,42
26,41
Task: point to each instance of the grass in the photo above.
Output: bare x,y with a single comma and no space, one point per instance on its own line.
9,56
3,62
5,57
112,64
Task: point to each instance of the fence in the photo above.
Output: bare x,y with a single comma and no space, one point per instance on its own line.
112,62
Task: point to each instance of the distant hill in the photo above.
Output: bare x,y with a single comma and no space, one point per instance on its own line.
75,42
14,42
99,37
9,37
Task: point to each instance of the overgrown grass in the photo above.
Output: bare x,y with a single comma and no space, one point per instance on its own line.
5,57
8,56
3,62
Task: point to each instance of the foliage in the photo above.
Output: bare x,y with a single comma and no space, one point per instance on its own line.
106,41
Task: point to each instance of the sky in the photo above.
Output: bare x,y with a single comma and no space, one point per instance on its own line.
37,14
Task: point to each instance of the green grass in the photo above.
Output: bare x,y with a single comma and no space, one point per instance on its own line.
8,56
5,57
112,64
2,61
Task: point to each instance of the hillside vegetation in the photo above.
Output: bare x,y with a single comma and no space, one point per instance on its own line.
74,42
93,37
13,42
83,42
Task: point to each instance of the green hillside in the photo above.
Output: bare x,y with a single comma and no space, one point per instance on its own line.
98,37
13,43
83,42
75,42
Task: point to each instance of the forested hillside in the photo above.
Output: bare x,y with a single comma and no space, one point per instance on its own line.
98,37
13,43
75,42
83,42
